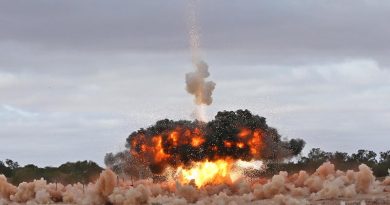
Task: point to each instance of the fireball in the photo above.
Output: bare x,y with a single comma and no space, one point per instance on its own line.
207,153
207,172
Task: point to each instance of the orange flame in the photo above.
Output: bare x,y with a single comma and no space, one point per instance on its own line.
197,141
207,172
173,137
256,143
227,144
160,155
161,151
244,132
240,145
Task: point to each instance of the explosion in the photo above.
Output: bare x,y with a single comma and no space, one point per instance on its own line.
325,186
206,152
203,173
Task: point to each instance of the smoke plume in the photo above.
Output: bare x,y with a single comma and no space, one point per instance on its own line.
198,86
196,83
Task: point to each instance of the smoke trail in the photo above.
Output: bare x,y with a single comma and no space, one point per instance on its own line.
193,31
196,81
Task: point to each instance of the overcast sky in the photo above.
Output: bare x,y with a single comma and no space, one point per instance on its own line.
77,77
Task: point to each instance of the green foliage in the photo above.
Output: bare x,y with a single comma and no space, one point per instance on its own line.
5,170
342,161
68,173
87,171
317,155
364,156
385,156
11,164
81,171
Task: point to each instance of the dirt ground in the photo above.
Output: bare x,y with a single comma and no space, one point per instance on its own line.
368,199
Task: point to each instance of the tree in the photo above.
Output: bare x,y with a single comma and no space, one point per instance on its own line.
317,155
385,156
80,171
27,173
364,156
339,157
5,170
11,164
381,168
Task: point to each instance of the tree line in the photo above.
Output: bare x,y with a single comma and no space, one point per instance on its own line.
124,164
68,173
88,171
380,164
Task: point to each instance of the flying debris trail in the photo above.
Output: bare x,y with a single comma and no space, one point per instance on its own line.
196,83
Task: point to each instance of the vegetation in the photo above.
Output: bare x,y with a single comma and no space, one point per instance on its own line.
125,164
88,171
342,161
68,173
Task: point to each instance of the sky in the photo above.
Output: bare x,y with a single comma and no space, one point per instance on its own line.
77,77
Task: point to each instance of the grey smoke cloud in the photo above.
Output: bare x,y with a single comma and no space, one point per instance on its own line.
198,86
